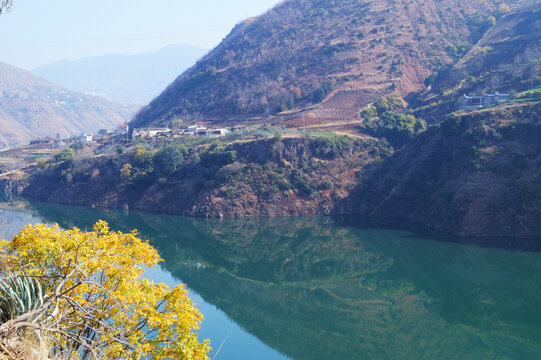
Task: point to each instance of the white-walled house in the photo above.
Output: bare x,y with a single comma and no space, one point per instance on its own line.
195,130
150,132
473,102
122,129
86,138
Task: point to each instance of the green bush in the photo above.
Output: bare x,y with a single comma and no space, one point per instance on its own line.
451,125
66,158
167,159
302,185
142,158
329,148
77,146
395,127
217,156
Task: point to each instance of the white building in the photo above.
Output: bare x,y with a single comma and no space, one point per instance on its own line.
149,133
86,138
473,102
195,130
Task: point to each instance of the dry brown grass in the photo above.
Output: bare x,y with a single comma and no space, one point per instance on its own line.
24,348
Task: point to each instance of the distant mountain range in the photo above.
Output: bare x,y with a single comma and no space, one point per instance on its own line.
340,54
127,79
31,107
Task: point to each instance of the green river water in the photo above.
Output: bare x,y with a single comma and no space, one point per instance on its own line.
335,287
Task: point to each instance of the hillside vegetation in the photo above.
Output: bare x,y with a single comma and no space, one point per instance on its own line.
267,177
31,107
468,173
476,174
507,59
303,52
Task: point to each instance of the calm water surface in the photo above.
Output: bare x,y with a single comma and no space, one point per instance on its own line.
335,288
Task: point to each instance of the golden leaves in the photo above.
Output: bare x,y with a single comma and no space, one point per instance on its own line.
104,303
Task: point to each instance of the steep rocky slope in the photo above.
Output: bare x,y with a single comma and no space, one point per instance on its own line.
31,107
506,59
303,52
476,174
271,177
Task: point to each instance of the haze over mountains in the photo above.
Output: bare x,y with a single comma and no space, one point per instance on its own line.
126,79
31,107
304,52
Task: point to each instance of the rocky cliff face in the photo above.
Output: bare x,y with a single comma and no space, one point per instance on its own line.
476,174
294,176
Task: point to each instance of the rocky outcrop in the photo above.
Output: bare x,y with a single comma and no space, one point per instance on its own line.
11,187
294,176
478,174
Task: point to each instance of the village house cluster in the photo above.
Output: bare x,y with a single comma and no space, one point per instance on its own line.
137,134
121,130
193,130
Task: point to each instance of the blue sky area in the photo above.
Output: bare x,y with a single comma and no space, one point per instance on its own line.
38,32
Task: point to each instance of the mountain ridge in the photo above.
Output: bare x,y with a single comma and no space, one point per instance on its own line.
303,52
31,107
127,79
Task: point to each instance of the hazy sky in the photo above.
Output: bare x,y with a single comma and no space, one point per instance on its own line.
37,32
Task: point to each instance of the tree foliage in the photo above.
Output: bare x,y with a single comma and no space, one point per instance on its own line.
386,119
5,5
66,155
168,158
97,305
126,172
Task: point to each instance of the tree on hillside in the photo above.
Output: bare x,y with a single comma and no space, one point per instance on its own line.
66,155
169,158
84,293
5,5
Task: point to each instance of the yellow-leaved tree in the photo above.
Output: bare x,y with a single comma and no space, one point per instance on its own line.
96,303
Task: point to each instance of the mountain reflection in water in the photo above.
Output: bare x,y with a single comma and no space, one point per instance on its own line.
345,288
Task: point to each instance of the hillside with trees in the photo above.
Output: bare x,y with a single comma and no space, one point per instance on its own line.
476,174
304,52
466,173
507,59
260,177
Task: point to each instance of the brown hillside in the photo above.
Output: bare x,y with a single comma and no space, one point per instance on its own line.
506,59
303,52
31,107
